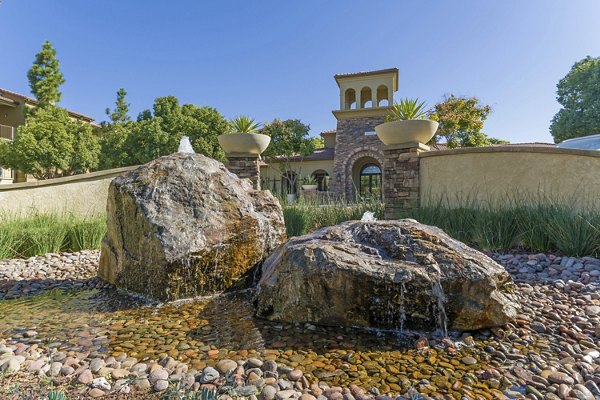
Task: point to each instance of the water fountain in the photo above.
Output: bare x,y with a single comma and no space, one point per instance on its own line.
385,274
184,226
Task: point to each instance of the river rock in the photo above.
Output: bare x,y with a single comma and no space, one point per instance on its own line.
183,226
385,274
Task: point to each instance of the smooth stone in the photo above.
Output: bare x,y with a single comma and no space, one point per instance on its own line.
209,375
161,385
119,373
560,377
295,374
95,393
254,363
66,370
101,383
96,364
284,394
469,360
267,393
36,365
585,392
244,391
269,366
86,377
159,374
143,384
225,366
55,368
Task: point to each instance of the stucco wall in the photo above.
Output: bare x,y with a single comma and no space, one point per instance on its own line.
489,175
84,194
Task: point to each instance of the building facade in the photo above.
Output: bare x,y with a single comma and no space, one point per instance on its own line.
350,164
13,107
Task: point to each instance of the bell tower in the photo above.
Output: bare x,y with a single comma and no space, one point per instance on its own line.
365,99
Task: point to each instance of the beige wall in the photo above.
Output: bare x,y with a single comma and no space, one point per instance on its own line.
489,174
84,194
12,116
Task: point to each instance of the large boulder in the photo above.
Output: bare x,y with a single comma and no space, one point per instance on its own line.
183,226
385,274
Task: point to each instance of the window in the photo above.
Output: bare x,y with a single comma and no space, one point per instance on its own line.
370,181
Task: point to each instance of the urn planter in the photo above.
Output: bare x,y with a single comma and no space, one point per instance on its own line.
413,130
244,143
310,187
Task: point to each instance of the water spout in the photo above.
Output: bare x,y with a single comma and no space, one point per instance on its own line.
185,146
368,216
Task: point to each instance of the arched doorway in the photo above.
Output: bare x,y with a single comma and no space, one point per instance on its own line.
370,182
367,178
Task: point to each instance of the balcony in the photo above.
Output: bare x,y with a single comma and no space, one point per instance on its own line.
7,132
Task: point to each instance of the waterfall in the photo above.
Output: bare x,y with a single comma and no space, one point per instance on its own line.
402,309
441,320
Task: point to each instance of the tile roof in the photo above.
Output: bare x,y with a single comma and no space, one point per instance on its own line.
27,99
326,153
366,73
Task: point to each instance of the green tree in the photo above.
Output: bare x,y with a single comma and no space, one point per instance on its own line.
318,142
114,134
45,77
121,112
158,132
289,145
461,122
579,94
50,145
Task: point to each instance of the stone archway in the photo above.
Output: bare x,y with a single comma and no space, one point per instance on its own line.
355,164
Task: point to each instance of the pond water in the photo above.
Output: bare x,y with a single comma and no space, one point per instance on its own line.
202,331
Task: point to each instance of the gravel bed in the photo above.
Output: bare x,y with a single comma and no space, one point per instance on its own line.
551,351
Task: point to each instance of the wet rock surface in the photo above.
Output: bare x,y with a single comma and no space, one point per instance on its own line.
385,274
76,326
183,226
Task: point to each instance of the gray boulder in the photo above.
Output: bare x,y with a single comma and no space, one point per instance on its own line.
183,226
385,274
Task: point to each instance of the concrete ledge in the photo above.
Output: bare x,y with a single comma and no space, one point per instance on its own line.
512,149
92,176
407,145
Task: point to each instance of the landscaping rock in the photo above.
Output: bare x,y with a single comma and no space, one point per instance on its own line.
183,226
386,274
86,377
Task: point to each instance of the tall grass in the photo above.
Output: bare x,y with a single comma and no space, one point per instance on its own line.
303,217
537,224
39,233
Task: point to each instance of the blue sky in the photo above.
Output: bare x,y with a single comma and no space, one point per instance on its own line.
276,59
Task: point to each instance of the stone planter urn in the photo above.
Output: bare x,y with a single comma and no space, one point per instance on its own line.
310,187
413,130
244,143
